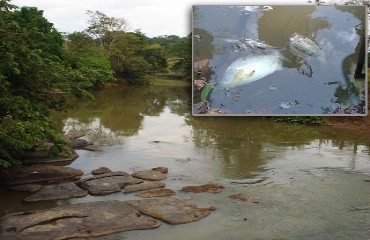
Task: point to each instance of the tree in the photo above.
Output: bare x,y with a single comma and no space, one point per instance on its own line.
104,28
35,77
182,50
88,60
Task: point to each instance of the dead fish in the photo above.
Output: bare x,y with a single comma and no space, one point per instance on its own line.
249,69
253,44
304,46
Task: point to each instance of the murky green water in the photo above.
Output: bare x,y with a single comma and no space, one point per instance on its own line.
301,182
330,87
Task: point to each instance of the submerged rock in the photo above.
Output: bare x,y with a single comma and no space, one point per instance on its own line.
93,148
35,156
163,170
101,170
143,186
78,143
156,193
171,210
211,187
57,192
38,174
83,220
74,134
26,188
150,175
239,197
107,183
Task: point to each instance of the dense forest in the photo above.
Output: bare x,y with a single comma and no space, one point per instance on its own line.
41,70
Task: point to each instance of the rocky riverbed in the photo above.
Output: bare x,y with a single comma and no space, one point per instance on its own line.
94,219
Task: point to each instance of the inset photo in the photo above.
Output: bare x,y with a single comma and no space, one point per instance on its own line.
279,60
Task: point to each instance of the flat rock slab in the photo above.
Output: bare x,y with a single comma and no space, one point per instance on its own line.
93,148
26,188
149,175
38,174
73,134
57,192
100,170
78,143
83,220
211,187
163,170
170,210
164,192
34,157
143,186
107,183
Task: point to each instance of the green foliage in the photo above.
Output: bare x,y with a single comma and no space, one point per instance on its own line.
22,124
314,120
91,65
182,50
34,78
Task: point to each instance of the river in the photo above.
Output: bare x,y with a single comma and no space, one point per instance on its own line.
301,182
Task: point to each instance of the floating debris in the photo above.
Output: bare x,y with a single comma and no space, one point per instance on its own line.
198,37
272,88
286,105
199,84
305,69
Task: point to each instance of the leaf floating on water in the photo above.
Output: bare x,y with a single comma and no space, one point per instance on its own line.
205,91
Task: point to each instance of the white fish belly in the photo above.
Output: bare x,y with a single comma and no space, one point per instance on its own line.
246,70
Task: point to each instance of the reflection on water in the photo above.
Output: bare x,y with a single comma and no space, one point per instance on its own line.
152,126
301,178
302,86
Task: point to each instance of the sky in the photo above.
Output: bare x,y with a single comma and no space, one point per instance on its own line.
152,17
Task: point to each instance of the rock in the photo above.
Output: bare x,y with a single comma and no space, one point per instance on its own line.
74,134
57,192
170,210
211,187
100,170
163,170
78,143
83,220
107,183
93,148
143,186
239,197
34,156
150,175
156,193
26,188
38,174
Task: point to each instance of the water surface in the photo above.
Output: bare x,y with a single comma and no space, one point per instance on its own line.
301,182
330,90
